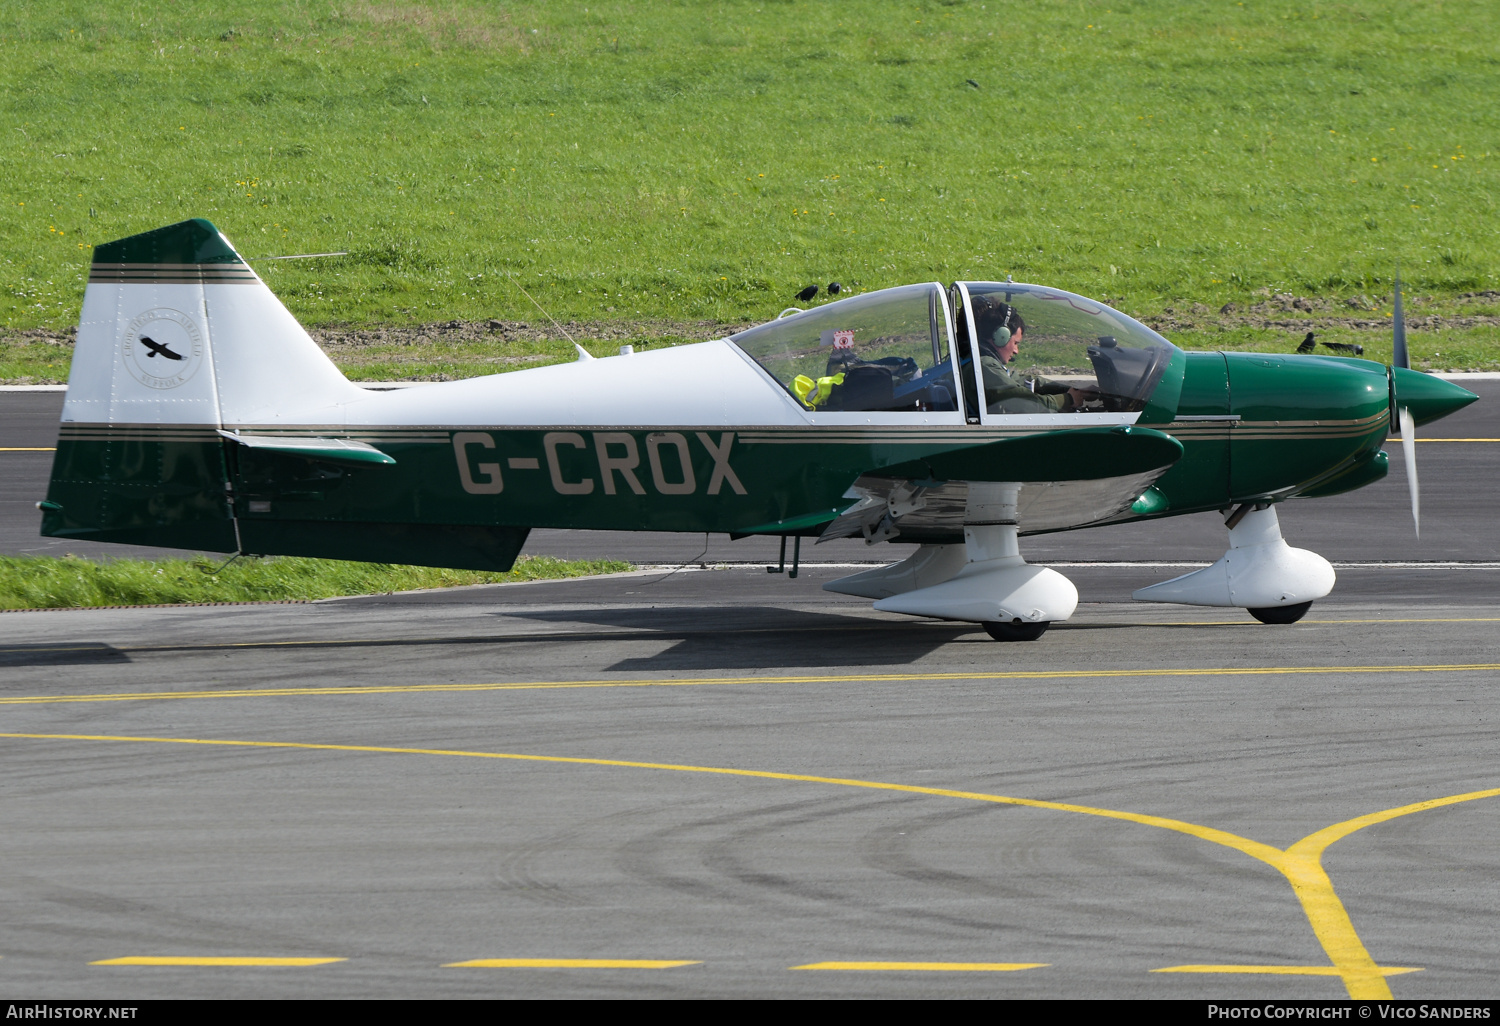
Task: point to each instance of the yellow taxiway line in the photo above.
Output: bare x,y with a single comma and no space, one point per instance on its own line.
565,963
872,678
1278,970
214,960
1300,864
926,967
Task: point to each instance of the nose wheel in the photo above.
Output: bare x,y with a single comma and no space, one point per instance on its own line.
1016,631
1281,614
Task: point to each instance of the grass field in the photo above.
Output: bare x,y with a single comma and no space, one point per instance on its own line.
35,582
687,161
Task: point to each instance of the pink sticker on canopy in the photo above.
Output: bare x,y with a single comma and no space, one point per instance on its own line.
843,340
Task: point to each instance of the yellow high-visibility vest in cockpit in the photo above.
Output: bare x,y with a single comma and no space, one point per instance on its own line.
815,393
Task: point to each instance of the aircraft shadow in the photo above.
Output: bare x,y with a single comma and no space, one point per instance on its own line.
73,653
756,637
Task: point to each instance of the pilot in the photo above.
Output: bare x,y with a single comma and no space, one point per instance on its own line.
1000,329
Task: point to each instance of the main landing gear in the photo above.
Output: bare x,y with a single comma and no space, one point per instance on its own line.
1016,630
1280,614
983,581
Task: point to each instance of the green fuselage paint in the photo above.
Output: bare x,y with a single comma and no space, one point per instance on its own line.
1300,422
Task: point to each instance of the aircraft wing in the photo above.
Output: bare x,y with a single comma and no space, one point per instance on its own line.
1068,479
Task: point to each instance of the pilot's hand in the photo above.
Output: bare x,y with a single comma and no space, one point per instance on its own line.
1079,396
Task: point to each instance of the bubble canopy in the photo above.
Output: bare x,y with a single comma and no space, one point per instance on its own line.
1056,344
885,351
985,349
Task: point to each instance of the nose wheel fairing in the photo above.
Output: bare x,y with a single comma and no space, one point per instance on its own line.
1259,571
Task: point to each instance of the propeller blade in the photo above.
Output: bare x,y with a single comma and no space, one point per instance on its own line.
1399,357
1409,450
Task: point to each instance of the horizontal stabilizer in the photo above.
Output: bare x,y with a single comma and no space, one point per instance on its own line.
335,450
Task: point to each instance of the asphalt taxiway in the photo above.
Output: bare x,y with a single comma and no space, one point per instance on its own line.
723,782
567,782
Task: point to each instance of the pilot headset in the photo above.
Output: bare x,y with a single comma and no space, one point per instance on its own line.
1010,322
1001,335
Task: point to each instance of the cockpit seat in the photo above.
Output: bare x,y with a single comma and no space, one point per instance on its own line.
867,386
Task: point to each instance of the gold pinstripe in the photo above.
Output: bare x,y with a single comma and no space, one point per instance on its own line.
169,274
874,435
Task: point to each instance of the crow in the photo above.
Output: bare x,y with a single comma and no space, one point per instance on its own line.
1345,347
834,288
1308,345
807,293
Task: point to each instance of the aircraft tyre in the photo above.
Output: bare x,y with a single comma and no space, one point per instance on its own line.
1281,614
1016,631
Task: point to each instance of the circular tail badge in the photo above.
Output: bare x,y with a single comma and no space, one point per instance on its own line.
163,348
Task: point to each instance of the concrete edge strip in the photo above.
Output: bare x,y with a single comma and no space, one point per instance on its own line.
654,569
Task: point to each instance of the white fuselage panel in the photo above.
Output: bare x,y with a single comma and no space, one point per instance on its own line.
703,384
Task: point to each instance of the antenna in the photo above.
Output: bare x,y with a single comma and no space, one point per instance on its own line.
545,314
305,256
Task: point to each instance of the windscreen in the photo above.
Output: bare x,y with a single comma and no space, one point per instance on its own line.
1043,350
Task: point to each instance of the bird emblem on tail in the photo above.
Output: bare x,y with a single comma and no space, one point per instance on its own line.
157,348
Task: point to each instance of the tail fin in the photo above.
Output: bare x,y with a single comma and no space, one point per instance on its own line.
177,329
178,338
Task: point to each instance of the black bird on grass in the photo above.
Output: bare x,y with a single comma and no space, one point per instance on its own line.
834,288
1352,348
807,293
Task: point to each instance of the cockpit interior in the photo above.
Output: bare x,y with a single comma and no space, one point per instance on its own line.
987,350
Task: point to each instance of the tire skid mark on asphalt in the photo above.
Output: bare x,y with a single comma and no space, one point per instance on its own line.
1301,863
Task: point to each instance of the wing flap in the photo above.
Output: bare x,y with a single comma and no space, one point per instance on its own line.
1068,479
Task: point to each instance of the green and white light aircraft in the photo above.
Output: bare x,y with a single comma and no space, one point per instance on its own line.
200,415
